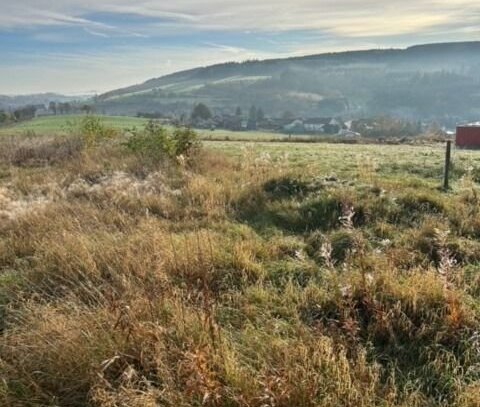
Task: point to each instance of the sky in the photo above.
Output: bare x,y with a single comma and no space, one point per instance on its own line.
92,46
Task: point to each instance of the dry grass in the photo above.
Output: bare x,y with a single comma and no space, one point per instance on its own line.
31,150
240,280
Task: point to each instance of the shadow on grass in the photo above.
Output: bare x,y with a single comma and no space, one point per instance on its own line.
290,205
295,206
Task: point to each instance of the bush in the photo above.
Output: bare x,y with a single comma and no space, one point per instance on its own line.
156,143
92,130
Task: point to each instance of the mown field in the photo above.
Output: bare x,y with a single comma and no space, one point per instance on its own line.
240,274
63,125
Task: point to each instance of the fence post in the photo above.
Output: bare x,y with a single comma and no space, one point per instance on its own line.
446,173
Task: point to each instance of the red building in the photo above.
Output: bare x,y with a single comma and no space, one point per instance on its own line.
468,136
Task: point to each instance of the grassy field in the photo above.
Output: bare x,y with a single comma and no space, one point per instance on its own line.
61,124
250,274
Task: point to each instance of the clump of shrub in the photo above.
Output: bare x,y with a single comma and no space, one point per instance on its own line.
156,143
92,130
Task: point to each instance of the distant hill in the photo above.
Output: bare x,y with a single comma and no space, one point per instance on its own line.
12,102
435,81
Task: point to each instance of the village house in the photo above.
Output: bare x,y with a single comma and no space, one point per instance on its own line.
295,127
348,133
315,126
230,122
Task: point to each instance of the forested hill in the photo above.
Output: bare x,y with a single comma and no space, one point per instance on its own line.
424,81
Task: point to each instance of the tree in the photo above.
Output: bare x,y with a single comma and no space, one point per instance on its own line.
252,113
201,111
52,107
67,108
25,113
238,112
252,118
87,109
288,115
260,115
4,117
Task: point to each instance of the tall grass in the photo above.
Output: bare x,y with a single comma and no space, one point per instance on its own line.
233,281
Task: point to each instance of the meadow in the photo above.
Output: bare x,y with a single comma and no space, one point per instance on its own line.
63,124
241,274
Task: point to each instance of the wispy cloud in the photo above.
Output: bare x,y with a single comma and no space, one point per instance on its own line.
119,42
95,33
227,48
345,17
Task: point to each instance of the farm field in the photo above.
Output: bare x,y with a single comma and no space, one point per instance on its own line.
61,124
50,125
237,274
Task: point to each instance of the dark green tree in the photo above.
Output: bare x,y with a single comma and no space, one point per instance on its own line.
25,113
260,115
87,109
52,107
4,117
201,111
252,118
288,115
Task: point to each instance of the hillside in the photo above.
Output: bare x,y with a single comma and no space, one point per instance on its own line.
436,81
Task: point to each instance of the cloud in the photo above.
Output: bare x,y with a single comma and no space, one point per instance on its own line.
349,18
227,48
95,33
163,37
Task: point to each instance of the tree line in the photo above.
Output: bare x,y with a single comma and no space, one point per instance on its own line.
28,112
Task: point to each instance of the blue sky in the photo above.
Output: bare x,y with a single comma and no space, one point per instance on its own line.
78,46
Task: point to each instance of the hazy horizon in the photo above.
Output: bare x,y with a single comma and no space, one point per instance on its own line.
77,47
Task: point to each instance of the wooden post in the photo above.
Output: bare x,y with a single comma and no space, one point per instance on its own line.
446,173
